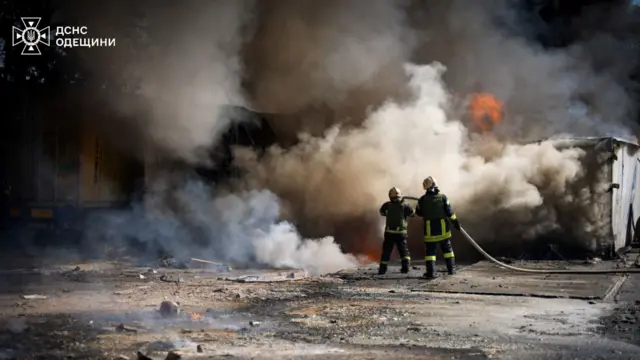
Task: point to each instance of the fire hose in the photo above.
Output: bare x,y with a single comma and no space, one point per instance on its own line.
535,271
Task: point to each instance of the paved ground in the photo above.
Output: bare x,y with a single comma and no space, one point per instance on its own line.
354,315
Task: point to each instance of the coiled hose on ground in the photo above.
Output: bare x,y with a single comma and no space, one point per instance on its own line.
536,271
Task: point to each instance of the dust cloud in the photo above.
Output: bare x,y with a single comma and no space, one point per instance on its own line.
372,96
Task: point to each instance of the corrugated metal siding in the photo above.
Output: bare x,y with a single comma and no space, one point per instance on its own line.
625,174
103,172
588,220
56,162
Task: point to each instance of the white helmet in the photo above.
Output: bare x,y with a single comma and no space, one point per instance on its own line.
429,182
395,193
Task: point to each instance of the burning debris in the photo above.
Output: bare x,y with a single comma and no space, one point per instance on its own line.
485,110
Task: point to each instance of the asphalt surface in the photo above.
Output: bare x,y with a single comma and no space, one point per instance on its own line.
109,310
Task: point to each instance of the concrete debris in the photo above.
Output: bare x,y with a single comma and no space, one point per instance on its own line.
122,357
142,356
142,277
123,329
76,274
169,309
173,279
173,355
592,261
34,297
172,263
270,277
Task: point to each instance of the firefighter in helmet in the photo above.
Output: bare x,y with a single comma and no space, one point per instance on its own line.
397,213
435,209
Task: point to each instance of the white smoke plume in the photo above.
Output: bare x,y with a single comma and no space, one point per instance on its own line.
364,86
243,229
349,171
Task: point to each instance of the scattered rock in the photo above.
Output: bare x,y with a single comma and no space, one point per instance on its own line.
254,323
167,278
122,357
169,309
199,349
592,302
172,262
173,355
34,297
392,291
121,328
593,261
142,356
142,277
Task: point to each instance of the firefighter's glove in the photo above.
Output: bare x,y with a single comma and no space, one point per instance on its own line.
456,224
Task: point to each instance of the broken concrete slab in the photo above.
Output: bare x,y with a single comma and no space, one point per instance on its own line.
485,278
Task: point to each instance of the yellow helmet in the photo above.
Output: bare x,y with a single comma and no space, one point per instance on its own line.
395,193
429,182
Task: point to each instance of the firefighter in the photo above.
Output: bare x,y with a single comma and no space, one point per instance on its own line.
397,213
435,209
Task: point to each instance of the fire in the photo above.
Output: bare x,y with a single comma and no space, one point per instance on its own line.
195,316
369,251
485,110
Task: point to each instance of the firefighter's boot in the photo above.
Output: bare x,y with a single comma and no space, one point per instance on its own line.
382,269
405,266
431,270
451,266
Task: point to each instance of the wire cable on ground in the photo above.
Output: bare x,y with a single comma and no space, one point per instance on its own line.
536,271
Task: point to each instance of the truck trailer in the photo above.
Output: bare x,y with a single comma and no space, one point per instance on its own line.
604,214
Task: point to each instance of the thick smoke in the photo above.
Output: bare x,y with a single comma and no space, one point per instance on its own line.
175,68
315,61
347,173
373,89
503,189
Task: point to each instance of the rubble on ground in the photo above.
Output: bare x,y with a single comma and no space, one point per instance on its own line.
169,309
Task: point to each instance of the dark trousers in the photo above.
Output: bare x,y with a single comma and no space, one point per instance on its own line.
397,240
447,252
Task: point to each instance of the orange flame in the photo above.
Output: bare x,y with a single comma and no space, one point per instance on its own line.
195,316
370,250
485,110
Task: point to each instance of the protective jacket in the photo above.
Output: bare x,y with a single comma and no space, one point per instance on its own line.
397,213
435,209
